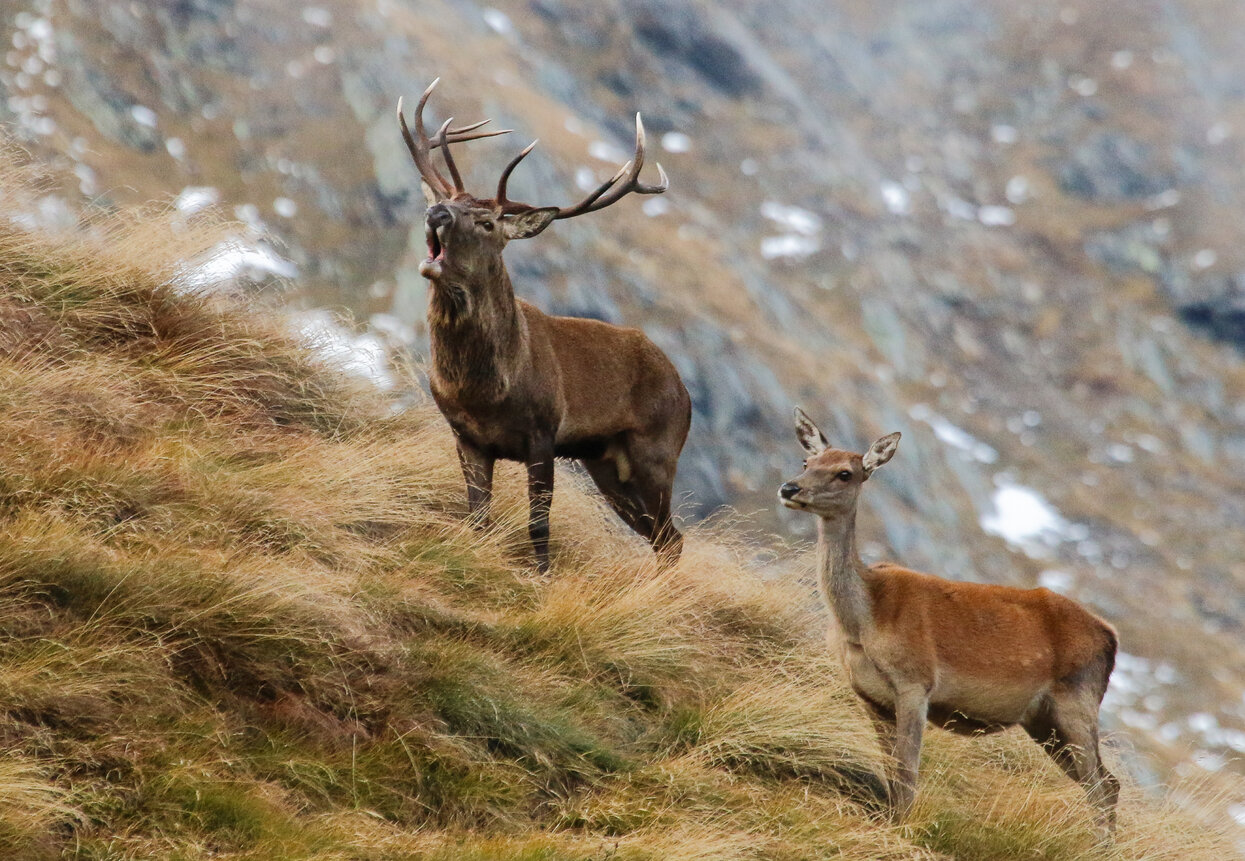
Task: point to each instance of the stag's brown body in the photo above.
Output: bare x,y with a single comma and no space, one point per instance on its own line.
515,383
968,657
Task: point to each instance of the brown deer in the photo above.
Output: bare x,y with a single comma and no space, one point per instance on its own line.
969,657
518,384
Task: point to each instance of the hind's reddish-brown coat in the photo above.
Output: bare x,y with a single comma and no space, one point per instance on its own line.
969,657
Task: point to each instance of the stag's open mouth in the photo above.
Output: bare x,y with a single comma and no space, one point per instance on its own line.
431,268
436,251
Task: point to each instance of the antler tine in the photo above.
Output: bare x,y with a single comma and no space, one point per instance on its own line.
625,181
460,135
443,140
504,202
419,146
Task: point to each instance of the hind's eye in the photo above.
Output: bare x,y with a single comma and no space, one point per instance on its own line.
845,475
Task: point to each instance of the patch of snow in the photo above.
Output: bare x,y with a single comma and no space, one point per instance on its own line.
1164,199
896,198
607,152
586,179
1218,133
1017,190
655,206
1025,520
1205,258
749,167
676,142
792,218
318,16
324,54
1004,134
194,198
1121,60
285,207
790,245
959,208
996,216
1120,453
176,148
362,354
1057,581
1083,86
144,116
232,260
499,22
953,435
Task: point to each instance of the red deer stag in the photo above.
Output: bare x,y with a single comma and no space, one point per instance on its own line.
518,384
966,656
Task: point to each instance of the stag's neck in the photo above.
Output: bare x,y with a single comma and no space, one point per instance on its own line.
479,338
840,569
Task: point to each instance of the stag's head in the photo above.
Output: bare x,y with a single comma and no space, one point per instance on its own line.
465,233
830,484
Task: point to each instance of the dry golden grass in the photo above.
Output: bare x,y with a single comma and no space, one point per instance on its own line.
241,617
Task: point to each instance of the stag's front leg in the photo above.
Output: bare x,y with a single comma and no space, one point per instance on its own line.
540,498
478,470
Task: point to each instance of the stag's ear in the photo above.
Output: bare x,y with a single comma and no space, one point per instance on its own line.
813,440
429,195
528,224
880,452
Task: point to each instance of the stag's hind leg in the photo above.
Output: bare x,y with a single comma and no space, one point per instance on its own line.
621,494
641,502
1066,726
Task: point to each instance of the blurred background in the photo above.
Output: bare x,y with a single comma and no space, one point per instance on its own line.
1010,231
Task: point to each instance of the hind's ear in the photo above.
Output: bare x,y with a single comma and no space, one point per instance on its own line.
882,450
812,439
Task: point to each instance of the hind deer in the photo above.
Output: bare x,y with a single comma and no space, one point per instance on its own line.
969,657
517,384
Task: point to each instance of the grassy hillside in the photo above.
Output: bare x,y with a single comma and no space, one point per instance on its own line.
240,618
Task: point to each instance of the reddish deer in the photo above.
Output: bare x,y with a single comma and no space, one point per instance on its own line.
517,384
969,657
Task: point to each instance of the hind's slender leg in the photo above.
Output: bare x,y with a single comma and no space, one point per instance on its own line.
1067,729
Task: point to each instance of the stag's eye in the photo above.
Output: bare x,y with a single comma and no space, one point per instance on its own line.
487,225
845,475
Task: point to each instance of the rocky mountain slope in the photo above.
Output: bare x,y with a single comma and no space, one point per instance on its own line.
1007,231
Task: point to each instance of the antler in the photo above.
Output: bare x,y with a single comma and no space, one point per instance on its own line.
421,147
625,181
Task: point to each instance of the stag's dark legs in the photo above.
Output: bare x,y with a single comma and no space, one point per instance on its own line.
478,470
540,498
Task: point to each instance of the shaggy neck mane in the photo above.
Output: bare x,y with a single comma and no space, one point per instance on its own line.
477,340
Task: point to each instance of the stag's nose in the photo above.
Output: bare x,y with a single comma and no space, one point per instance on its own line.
788,490
439,215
